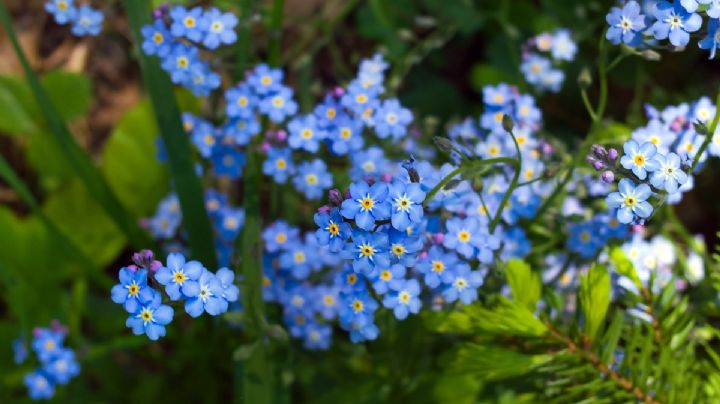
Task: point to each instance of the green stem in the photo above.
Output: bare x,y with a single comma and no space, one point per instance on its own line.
513,185
275,25
588,105
430,195
709,137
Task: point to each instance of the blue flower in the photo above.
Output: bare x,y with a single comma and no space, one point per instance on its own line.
406,203
204,137
151,317
497,96
179,62
209,297
202,80
132,289
186,23
366,204
626,24
714,10
279,164
464,285
63,11
387,278
47,343
219,28
391,120
333,231
39,385
656,133
361,100
265,80
166,220
639,158
712,40
515,244
674,22
228,161
368,251
180,278
88,21
312,179
240,101
62,367
356,306
318,336
229,222
305,134
327,301
279,105
584,239
278,235
437,266
563,47
370,163
239,131
346,135
631,201
403,298
298,260
231,292
403,246
669,175
156,39
463,235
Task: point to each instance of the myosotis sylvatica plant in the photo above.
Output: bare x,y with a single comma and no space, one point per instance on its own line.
299,223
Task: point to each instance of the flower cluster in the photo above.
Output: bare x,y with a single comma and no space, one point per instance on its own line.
655,21
539,70
588,238
174,37
57,362
84,20
201,291
657,160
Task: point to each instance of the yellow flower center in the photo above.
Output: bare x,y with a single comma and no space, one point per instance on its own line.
158,38
278,102
630,201
386,275
367,250
281,238
266,281
404,297
438,266
182,62
146,315
306,134
281,164
299,257
334,229
351,279
639,160
464,236
266,80
242,101
345,133
179,277
358,305
62,5
49,345
133,289
311,179
230,223
367,203
361,98
460,283
189,22
328,300
498,98
585,237
331,113
398,249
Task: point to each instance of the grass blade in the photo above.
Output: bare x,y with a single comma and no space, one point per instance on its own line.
78,159
177,144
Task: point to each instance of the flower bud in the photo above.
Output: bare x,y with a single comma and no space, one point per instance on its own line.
598,151
438,238
700,128
324,209
443,143
451,185
584,79
335,197
608,177
507,123
612,154
651,55
598,165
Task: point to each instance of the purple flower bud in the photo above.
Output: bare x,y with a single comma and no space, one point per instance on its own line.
281,135
438,238
347,194
56,326
598,165
324,209
387,177
608,177
590,159
335,197
598,151
146,259
612,154
338,91
546,148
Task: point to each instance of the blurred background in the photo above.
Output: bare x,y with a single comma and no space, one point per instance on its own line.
442,53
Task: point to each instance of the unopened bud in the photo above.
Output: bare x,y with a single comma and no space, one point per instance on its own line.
651,55
324,209
612,154
598,165
438,238
598,151
507,123
584,78
700,128
451,185
443,143
608,177
335,197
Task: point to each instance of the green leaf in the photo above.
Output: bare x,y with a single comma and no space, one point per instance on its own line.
79,160
130,161
458,389
505,317
482,75
182,166
595,298
59,85
624,266
524,283
15,103
492,362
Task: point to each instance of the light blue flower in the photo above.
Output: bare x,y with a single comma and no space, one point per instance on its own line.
179,62
278,235
464,285
87,21
187,23
631,201
156,39
675,22
231,292
47,343
39,385
218,27
403,298
563,47
368,251
63,11
333,231
151,317
279,164
713,11
712,39
209,297
279,105
346,135
305,134
437,266
132,289
366,204
265,80
669,176
240,101
406,204
228,223
391,120
640,158
317,336
62,367
312,179
626,24
228,162
368,164
386,278
463,235
179,277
